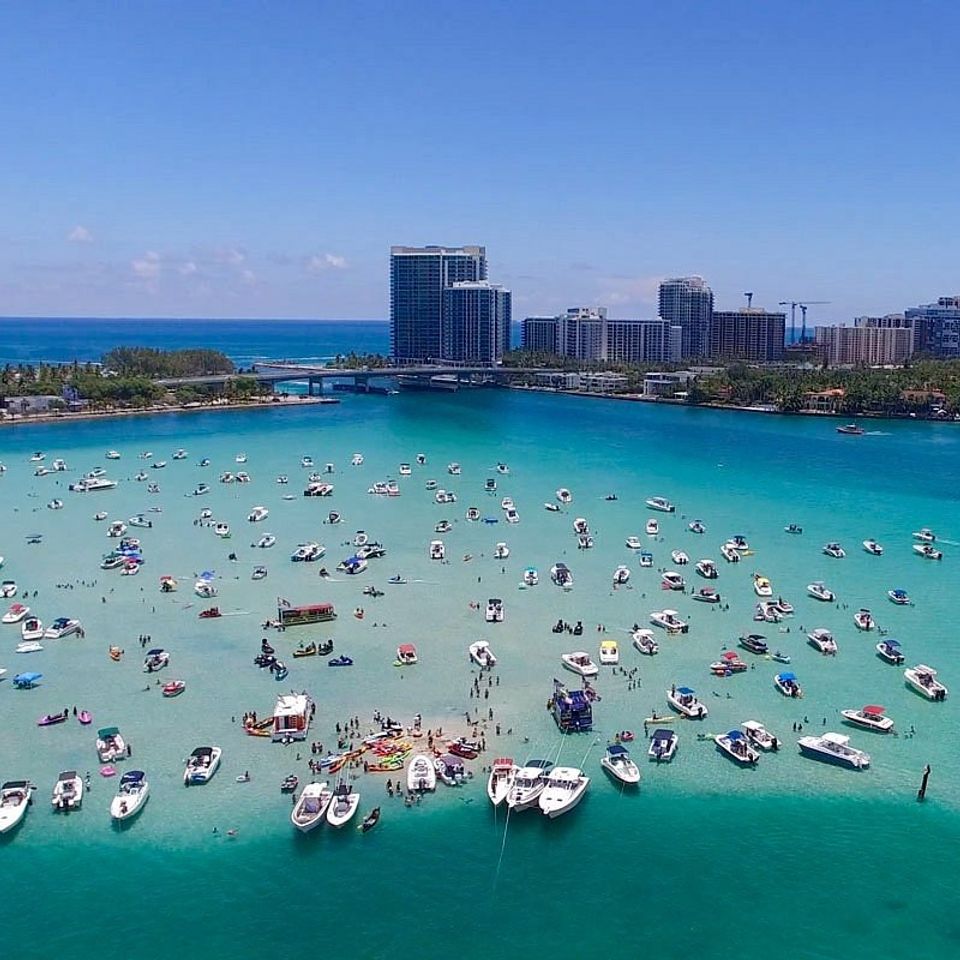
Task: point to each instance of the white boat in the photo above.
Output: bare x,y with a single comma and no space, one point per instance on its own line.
500,781
863,619
788,685
181,454
870,717
132,793
454,469
819,591
140,521
55,504
202,765
311,806
871,546
928,551
38,457
31,629
634,543
158,465
507,503
645,642
737,747
61,627
618,763
8,588
528,784
405,470
343,804
156,659
925,535
502,468
900,597
14,800
16,613
110,745
100,515
552,507
512,516
561,575
622,574
739,543
663,745
652,527
67,792
227,477
762,586
222,529
697,526
451,770
660,503
669,620
116,529
684,701
205,589
266,541
924,680
92,485
729,552
200,489
889,650
564,789
833,549
240,458
28,646
501,551
759,735
834,748
564,495
707,569
494,611
679,557
421,775
580,663
672,580
531,577
646,558
609,652
113,455
307,553
257,514
437,550
406,655
356,460
482,655
822,639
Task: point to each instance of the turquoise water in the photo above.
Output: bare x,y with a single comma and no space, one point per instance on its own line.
793,857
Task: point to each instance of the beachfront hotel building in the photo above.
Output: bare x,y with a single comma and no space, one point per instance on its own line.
687,302
936,327
643,341
865,345
750,334
475,322
418,277
539,334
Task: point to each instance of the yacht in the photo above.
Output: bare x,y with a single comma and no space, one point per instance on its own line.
132,794
14,800
819,591
900,597
454,469
580,663
661,504
621,575
889,650
697,526
618,763
684,701
437,550
669,620
870,717
924,680
871,546
482,655
311,806
494,612
925,535
634,543
564,495
652,527
679,558
645,642
531,577
67,792
609,652
201,765
863,619
646,558
927,551
822,639
762,586
257,514
788,685
737,747
501,551
266,541
561,575
528,784
343,805
671,580
834,748
421,775
729,552
92,485
759,735
564,789
663,745
61,627
833,549
500,781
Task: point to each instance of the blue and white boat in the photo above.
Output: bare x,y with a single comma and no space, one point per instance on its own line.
737,747
889,650
834,748
788,685
618,763
132,794
663,745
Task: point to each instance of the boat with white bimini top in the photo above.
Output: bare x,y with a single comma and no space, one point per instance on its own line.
14,800
201,765
132,794
925,535
528,784
421,774
863,619
924,680
833,549
501,551
500,781
870,717
482,655
759,735
645,642
661,504
834,748
679,557
871,546
437,550
580,663
684,701
634,543
669,620
927,551
819,591
619,764
67,792
311,806
564,789
822,639
257,514
531,577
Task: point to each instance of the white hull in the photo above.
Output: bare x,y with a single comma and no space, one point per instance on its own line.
341,812
421,774
311,807
125,806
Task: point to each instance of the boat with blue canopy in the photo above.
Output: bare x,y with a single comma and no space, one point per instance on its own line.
26,681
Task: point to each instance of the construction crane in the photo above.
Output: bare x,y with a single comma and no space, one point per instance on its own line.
793,304
749,296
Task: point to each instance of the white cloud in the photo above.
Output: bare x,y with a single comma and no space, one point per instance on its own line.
248,276
148,266
188,268
80,234
327,261
635,291
230,255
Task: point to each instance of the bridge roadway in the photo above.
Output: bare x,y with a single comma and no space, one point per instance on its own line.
269,373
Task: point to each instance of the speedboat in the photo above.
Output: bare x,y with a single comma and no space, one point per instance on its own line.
925,535
451,770
174,688
437,550
205,589
609,652
110,745
353,565
684,701
729,552
507,503
889,650
200,489
454,469
356,460
257,514
661,504
697,526
531,577
834,748
14,800
863,619
201,765
669,620
561,575
67,792
8,588
924,680
621,575
870,717
132,794
707,569
679,557
266,541
31,629
580,525
646,558
762,586
113,455
833,549
900,597
116,529
258,573
788,685
307,553
707,595
652,527
61,627
406,655
729,664
793,528
927,551
618,763
482,655
528,784
851,429
155,659
38,457
819,591
552,507
663,745
564,495
739,543
645,642
181,454
158,464
494,611
822,639
871,546
737,747
55,504
240,458
501,551
311,806
444,526
511,515
634,543
672,580
580,663
343,805
140,521
500,781
222,529
759,735
564,789
421,774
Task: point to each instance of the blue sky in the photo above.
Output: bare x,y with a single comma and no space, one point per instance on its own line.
259,159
